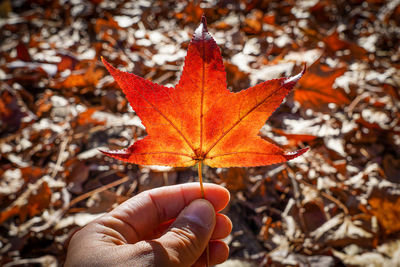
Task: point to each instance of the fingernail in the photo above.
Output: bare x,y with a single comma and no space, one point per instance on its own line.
200,212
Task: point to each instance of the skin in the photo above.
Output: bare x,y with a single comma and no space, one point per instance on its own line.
167,226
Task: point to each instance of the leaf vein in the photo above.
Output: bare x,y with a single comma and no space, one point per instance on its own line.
241,119
142,82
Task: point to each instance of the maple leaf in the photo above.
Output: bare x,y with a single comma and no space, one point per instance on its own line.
200,119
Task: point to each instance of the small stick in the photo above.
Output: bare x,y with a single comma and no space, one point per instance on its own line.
298,203
98,190
329,197
325,195
200,172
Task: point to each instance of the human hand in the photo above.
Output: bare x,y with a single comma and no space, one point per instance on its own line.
166,226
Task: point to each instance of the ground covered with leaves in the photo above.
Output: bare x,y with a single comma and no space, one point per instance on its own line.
339,204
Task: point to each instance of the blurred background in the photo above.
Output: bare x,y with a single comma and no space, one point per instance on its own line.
336,205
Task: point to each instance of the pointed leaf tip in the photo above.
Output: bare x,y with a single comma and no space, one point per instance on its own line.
204,22
118,154
106,64
109,67
201,32
291,81
293,155
304,68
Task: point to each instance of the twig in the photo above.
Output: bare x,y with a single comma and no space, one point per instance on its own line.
354,103
60,158
297,196
68,204
327,196
98,190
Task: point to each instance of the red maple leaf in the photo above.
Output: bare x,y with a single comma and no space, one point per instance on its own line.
200,119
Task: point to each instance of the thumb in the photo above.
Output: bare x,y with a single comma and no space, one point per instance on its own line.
188,236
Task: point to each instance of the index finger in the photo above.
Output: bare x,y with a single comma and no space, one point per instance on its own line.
140,215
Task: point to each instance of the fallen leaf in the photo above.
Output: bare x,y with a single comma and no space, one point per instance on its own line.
31,174
234,178
23,53
191,13
107,29
44,104
78,175
314,215
85,118
67,62
269,19
334,43
82,78
253,23
199,119
385,207
36,202
391,166
236,77
10,112
315,88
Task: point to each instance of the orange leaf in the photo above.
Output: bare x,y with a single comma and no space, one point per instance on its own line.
387,211
81,78
316,90
199,119
85,117
234,178
334,43
37,201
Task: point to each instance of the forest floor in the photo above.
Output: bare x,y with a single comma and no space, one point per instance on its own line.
338,204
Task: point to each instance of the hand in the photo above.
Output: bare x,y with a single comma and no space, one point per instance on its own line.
167,226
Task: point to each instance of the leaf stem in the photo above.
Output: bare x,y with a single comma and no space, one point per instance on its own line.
200,173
